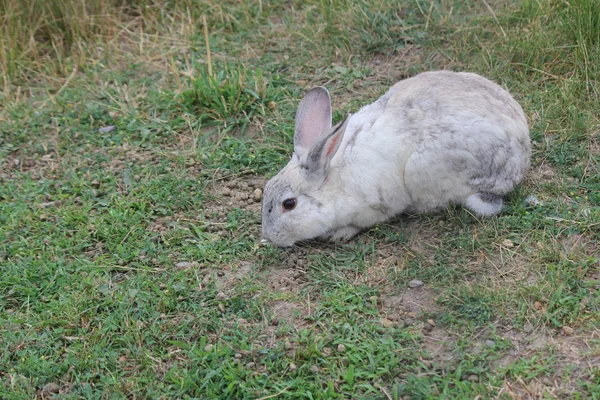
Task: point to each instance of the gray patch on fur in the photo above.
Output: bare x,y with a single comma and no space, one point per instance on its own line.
382,206
380,195
490,198
352,140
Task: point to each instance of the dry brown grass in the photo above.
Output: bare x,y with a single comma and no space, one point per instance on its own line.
45,43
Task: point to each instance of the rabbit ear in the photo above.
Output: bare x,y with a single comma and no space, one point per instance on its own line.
317,161
313,119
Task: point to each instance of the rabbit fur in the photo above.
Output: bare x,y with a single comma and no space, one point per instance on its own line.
437,138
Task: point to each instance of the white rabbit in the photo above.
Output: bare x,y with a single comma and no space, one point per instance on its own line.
437,138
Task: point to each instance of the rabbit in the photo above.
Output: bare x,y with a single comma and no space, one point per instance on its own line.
434,139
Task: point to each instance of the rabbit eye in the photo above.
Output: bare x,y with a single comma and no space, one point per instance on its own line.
289,204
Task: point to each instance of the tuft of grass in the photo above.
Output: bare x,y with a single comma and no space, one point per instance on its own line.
231,97
583,26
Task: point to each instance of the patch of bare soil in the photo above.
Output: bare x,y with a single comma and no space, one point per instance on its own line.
228,276
409,305
573,357
286,279
395,67
412,307
542,173
36,166
124,155
580,244
244,194
289,277
291,313
284,315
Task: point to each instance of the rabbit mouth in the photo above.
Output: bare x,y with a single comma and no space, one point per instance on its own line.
278,243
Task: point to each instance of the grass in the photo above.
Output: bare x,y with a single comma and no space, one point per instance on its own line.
231,97
129,253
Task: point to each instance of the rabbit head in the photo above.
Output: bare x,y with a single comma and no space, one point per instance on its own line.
297,202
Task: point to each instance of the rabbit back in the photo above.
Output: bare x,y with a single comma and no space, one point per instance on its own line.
439,138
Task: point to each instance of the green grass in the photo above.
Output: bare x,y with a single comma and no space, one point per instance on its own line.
130,261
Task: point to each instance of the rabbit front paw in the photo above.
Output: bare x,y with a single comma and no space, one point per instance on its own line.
344,234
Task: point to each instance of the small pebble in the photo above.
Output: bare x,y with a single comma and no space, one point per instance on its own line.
490,343
314,369
287,345
293,367
51,204
341,348
508,243
473,378
258,195
567,330
238,355
162,286
49,389
182,265
107,129
547,381
415,283
221,296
